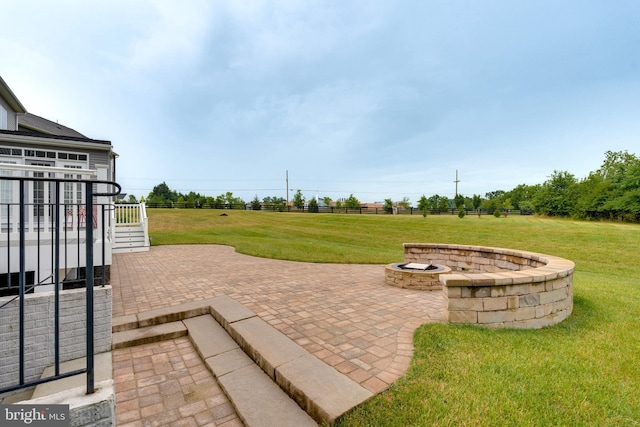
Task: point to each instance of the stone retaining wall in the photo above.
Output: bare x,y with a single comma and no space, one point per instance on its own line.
500,287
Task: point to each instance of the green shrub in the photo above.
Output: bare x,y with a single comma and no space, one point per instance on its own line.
497,213
461,213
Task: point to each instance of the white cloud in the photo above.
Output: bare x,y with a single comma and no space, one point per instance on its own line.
173,35
394,95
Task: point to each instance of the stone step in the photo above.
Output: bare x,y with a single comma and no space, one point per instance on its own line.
103,370
323,392
257,399
148,334
244,352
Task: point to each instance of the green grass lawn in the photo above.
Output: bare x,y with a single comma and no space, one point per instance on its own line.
584,371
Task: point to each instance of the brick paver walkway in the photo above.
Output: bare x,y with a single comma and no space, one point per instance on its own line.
344,314
167,384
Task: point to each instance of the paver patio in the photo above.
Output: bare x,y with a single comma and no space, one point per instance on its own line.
344,314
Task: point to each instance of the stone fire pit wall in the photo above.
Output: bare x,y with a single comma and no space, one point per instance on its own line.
500,287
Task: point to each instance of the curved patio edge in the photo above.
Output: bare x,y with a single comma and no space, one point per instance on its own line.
498,287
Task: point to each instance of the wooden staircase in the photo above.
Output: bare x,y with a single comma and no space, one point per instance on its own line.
130,232
130,238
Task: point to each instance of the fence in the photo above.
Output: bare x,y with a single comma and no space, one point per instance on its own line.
337,210
49,226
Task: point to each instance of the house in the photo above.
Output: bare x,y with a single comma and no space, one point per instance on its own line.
60,166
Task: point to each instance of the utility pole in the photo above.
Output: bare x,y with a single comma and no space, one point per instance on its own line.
456,181
287,179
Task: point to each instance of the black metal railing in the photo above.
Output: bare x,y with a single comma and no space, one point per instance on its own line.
33,212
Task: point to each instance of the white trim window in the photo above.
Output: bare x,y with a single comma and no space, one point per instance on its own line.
42,190
6,192
73,191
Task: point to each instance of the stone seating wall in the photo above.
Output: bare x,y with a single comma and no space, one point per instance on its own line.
498,287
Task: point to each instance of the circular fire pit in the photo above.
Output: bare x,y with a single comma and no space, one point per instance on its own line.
413,275
495,287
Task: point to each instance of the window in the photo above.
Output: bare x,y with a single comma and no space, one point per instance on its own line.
72,190
72,156
6,193
42,191
3,118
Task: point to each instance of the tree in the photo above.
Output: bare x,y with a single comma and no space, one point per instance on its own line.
352,202
616,164
558,195
522,194
438,203
423,205
162,194
477,201
298,200
255,203
327,200
193,200
404,203
458,200
494,200
492,205
612,191
275,203
443,204
494,194
132,199
388,206
313,205
433,202
232,201
219,202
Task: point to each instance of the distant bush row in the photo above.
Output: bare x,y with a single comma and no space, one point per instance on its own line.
611,192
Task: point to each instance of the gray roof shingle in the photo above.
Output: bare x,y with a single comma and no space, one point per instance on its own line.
32,123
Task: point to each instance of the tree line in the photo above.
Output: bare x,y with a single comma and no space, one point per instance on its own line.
612,192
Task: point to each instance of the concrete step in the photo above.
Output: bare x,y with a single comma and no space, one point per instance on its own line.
244,352
103,370
323,392
257,399
149,334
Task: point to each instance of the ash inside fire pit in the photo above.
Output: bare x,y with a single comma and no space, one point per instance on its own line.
418,266
415,275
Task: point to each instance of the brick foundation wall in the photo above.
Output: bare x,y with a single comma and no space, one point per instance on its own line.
39,331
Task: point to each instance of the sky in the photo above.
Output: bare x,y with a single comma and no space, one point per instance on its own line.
379,99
